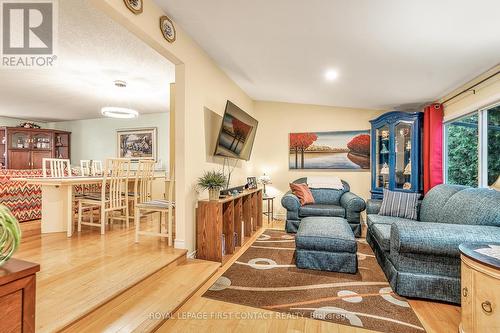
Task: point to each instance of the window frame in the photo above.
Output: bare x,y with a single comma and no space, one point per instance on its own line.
482,151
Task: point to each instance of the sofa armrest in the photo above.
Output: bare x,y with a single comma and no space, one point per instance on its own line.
352,202
290,201
440,239
373,206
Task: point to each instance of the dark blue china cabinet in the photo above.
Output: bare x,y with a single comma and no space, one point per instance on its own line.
396,156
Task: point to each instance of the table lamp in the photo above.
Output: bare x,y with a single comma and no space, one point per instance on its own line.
265,179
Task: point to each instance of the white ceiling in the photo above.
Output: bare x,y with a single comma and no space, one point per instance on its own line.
387,52
93,51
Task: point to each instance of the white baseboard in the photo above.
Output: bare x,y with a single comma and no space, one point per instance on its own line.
179,244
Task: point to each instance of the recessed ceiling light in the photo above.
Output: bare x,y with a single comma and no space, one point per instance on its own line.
117,112
331,75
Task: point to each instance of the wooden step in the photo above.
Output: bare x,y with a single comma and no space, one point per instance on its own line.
146,306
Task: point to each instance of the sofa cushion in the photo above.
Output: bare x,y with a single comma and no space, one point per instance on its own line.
380,219
302,192
330,234
382,234
475,206
436,199
440,239
321,210
399,204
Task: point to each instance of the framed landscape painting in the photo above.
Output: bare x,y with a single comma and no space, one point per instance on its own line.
137,144
330,150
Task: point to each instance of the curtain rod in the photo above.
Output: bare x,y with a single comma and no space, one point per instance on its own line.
471,87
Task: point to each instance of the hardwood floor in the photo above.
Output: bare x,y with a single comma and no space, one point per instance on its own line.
200,314
80,273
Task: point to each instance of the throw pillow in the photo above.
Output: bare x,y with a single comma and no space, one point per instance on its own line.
302,192
399,204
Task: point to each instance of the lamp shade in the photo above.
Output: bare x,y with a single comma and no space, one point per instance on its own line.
265,179
496,185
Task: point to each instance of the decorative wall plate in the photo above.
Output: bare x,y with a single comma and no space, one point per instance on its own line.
135,6
167,29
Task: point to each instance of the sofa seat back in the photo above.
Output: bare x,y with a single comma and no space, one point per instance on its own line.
325,196
25,201
474,206
435,200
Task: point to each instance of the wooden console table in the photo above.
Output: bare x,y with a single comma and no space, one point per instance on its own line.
234,218
17,296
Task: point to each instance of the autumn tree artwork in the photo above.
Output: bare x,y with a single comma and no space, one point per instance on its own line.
235,133
330,150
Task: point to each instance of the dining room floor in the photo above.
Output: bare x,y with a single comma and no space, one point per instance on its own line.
82,272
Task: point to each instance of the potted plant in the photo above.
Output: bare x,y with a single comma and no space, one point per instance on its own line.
212,181
10,234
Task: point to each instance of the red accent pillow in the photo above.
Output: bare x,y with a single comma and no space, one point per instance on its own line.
302,192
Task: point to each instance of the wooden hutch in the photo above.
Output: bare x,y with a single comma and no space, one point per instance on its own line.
24,148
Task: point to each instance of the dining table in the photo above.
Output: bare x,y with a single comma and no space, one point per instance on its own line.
57,199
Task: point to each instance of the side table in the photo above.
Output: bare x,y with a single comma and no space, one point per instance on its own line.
270,207
480,287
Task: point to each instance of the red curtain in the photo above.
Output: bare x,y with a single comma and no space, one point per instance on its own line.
433,146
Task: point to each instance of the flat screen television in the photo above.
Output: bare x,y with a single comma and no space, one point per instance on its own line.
236,134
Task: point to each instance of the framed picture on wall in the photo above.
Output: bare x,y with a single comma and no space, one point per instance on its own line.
347,150
137,143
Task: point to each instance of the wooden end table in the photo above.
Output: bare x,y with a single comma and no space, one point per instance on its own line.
480,288
17,296
270,207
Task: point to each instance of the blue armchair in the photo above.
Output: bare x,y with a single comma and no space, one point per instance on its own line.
328,202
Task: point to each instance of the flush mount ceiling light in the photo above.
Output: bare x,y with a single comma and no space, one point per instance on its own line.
331,75
117,111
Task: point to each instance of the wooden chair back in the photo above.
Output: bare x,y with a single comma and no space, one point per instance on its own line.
115,182
58,167
143,185
170,188
91,167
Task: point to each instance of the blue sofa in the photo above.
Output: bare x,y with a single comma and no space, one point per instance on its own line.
421,258
328,202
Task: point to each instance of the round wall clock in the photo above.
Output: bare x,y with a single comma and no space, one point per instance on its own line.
135,6
167,29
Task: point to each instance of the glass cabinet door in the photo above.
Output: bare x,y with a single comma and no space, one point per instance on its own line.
20,140
382,157
402,155
42,141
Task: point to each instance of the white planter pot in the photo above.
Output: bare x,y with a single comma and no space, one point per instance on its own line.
213,194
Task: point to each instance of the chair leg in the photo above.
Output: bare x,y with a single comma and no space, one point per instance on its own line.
91,214
103,220
169,224
127,222
137,221
79,216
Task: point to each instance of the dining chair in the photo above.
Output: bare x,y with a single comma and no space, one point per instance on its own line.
164,206
112,198
58,167
143,184
91,167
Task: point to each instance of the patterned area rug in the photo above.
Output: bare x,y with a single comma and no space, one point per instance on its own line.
265,277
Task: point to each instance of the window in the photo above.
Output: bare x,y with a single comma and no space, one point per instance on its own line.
472,148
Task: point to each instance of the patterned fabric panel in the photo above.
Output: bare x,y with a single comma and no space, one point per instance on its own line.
25,201
438,238
436,199
321,210
479,206
399,204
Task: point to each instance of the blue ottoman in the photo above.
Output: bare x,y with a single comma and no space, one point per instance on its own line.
326,244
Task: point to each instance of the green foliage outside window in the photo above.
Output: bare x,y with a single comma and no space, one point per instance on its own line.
462,151
463,145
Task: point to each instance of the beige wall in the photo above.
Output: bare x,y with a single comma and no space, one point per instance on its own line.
201,88
485,94
277,120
